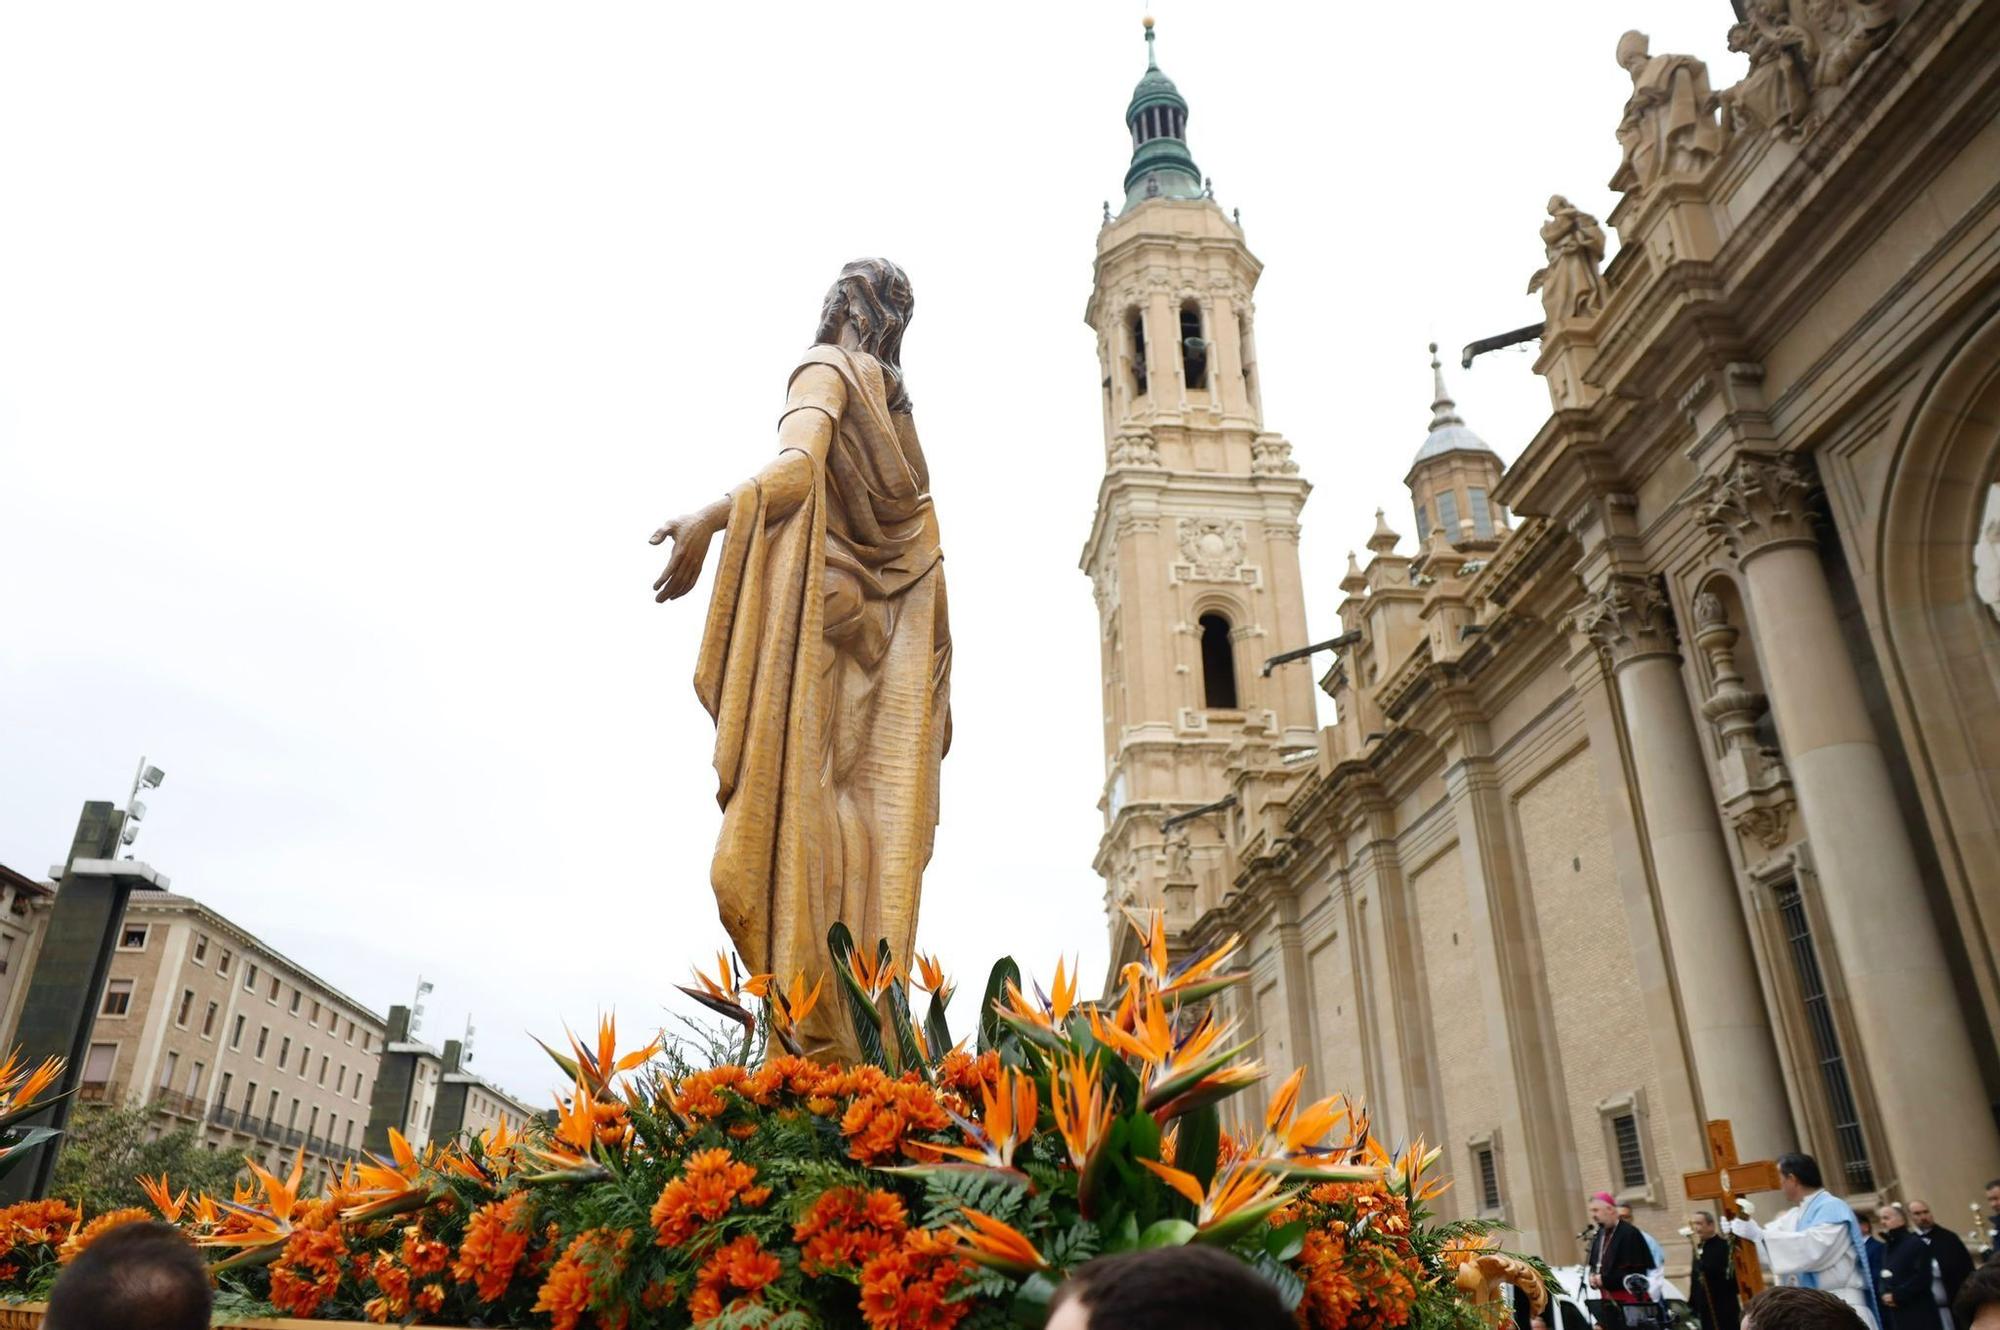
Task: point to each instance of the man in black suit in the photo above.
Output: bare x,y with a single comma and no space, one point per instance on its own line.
1950,1261
1713,1282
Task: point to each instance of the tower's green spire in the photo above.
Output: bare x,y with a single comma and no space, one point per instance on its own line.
1157,116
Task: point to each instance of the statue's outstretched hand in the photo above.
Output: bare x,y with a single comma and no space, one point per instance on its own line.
690,535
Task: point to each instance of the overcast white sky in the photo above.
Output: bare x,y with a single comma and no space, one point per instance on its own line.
349,353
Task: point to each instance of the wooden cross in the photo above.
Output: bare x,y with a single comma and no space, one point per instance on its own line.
1732,1177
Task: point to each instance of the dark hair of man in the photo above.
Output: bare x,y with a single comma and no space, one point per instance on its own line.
140,1276
1787,1308
1803,1167
1993,1184
1980,1289
1175,1288
1703,1214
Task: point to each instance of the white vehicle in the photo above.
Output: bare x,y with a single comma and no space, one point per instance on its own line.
1568,1309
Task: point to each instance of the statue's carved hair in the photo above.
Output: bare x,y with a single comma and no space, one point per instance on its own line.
884,290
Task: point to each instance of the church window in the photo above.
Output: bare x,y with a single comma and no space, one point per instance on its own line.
1138,332
1826,1039
1448,514
1482,514
1631,1160
1218,664
1194,350
1423,522
1487,1170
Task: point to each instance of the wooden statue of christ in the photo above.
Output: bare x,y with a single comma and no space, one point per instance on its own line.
826,660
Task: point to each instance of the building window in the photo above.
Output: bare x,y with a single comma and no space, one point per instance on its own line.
117,998
97,1065
201,948
1839,1089
271,1109
208,1020
1136,329
186,1009
1448,514
222,1088
133,937
272,996
350,1032
312,1122
297,997
250,1099
340,1081
222,962
1482,513
284,1051
1626,1156
357,1085
1486,1175
236,1033
249,977
305,1062
367,1040
347,1135
194,1079
1631,1158
168,1066
322,1068
263,1042
1423,522
1218,664
292,1118
314,1018
1194,348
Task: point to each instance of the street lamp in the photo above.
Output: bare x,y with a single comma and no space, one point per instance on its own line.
424,986
148,778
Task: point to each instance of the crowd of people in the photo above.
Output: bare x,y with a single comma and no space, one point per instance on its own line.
1893,1268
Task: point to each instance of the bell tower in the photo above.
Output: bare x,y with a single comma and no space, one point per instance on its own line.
1193,553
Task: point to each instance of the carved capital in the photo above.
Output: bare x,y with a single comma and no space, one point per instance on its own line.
1761,502
1630,619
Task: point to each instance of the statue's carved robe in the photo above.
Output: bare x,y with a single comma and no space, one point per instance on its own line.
826,663
1667,126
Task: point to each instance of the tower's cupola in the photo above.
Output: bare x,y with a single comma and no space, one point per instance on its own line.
1157,116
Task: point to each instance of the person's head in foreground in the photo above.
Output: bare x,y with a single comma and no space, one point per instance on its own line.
1786,1308
1978,1305
136,1277
1798,1176
1168,1288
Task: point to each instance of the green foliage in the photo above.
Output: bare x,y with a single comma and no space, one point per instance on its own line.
107,1149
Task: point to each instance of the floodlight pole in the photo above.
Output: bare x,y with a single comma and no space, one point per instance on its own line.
67,985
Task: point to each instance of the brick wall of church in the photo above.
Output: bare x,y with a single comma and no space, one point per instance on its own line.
1600,1023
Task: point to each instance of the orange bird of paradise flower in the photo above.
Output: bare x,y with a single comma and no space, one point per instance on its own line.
1007,1120
1241,1196
1189,981
1183,1072
930,978
997,1245
1046,1019
161,1194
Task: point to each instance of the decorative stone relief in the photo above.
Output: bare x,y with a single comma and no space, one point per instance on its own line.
1756,788
1571,283
1104,585
1801,52
1271,455
1212,548
1763,499
1629,618
1135,448
1669,126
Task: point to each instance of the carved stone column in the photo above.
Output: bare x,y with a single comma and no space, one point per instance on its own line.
1915,1047
1729,1034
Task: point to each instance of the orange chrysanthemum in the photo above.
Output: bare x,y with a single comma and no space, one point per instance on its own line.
80,1240
593,1257
307,1272
907,1286
711,1182
739,1269
496,1238
878,1123
846,1228
424,1256
35,1223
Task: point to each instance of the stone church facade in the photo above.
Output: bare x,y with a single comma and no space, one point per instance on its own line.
1664,779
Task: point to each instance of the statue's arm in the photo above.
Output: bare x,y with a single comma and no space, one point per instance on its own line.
805,432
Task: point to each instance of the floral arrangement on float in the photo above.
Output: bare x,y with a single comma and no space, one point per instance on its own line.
925,1186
